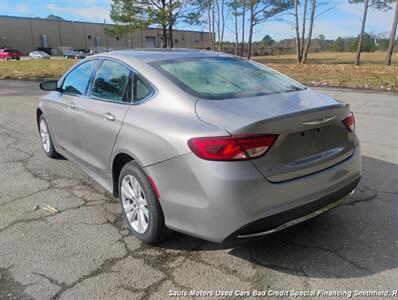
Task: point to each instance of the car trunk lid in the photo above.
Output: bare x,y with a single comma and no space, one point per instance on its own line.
311,134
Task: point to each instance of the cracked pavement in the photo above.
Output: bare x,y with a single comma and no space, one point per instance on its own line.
85,252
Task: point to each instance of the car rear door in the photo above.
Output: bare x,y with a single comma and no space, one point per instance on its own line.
99,117
62,108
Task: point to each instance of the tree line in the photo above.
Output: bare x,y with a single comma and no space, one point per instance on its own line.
268,46
240,17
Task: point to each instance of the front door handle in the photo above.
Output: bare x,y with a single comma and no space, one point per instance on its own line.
108,116
72,105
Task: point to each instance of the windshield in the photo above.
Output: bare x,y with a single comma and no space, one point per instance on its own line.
223,78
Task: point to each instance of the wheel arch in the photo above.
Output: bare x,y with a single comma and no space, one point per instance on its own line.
39,112
119,160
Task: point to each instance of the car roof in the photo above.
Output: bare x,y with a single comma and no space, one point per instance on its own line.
152,55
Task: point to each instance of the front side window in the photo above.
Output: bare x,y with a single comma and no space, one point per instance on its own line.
77,81
111,82
225,77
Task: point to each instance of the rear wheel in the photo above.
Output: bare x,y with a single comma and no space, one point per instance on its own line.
46,140
140,205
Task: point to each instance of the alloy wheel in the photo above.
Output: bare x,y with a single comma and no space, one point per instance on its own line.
45,136
134,204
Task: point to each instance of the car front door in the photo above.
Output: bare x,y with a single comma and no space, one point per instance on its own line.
62,108
99,117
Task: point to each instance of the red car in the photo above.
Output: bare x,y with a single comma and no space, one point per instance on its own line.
7,54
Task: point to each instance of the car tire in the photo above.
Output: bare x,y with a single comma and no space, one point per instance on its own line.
140,205
46,140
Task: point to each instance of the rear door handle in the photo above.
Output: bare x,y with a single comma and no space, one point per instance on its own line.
108,116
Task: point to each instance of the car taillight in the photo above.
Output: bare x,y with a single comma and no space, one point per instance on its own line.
231,148
349,122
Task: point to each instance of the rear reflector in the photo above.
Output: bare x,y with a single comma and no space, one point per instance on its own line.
155,188
231,148
349,122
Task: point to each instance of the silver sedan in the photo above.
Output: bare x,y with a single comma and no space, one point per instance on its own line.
38,55
203,143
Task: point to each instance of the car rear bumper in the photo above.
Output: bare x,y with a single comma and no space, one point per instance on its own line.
217,200
295,215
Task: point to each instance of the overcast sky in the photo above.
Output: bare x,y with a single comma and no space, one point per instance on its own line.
337,18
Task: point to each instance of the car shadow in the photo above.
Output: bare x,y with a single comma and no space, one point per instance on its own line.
357,239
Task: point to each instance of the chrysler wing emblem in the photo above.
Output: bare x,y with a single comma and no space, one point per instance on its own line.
318,121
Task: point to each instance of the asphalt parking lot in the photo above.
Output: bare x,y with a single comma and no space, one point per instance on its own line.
85,252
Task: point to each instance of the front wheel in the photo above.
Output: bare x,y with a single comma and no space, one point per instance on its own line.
140,205
46,140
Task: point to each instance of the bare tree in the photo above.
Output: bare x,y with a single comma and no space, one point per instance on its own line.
311,26
222,24
175,12
171,22
209,5
217,21
296,27
220,21
392,37
213,23
178,12
262,10
302,42
236,35
233,6
378,4
303,29
244,10
365,12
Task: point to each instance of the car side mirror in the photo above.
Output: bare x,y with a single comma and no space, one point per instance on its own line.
49,85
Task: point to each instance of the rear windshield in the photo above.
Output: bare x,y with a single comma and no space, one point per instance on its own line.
224,78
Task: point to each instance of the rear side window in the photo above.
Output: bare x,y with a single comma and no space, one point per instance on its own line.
111,82
77,81
140,89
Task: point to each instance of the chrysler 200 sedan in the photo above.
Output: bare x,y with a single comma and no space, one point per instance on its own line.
203,143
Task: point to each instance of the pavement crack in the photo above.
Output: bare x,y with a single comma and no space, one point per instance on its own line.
51,280
23,221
